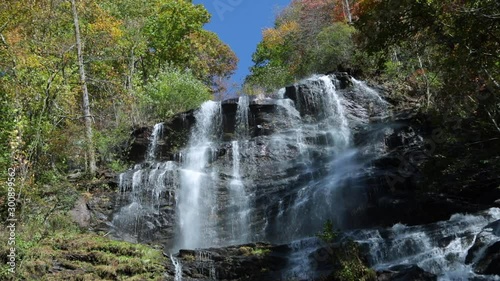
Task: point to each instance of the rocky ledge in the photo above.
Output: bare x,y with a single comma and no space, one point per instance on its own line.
258,261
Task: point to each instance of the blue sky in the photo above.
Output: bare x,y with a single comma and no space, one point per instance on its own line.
239,24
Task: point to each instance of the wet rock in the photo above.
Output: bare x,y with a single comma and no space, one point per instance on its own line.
258,261
344,79
405,273
484,255
140,143
174,135
489,263
278,166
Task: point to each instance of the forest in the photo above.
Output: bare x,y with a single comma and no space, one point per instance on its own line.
77,77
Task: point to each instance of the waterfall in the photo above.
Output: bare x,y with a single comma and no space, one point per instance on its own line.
268,169
239,200
303,143
197,195
275,169
242,117
339,125
300,266
440,248
141,193
155,137
178,268
292,115
362,85
206,264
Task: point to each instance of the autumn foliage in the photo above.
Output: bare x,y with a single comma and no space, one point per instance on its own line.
126,46
304,31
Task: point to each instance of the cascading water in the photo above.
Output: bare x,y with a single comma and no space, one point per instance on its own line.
155,137
302,144
439,248
334,111
178,268
275,170
197,200
141,193
239,199
241,129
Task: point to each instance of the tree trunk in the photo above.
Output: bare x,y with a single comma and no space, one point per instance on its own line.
92,167
427,83
347,10
131,71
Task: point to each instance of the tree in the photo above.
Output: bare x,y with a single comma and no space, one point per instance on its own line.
335,47
211,60
92,167
309,36
169,30
41,67
455,42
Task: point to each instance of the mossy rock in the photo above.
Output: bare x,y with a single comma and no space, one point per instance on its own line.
86,256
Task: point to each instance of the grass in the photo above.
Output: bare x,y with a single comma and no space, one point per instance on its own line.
86,256
50,246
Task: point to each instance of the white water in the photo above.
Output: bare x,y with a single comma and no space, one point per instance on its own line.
197,198
239,201
296,208
155,137
292,115
143,189
300,266
439,248
242,117
178,268
339,126
206,264
363,87
317,200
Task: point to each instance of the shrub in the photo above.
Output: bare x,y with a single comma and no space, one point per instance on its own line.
171,92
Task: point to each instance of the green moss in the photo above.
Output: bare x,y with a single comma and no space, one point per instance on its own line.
189,257
245,250
250,251
346,257
260,251
74,255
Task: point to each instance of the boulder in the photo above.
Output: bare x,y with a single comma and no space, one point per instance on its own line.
81,213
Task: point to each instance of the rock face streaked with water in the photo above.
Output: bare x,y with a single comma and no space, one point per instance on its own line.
275,169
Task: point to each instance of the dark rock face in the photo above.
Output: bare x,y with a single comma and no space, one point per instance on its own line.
484,255
236,263
405,273
297,172
176,131
489,264
174,136
404,186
